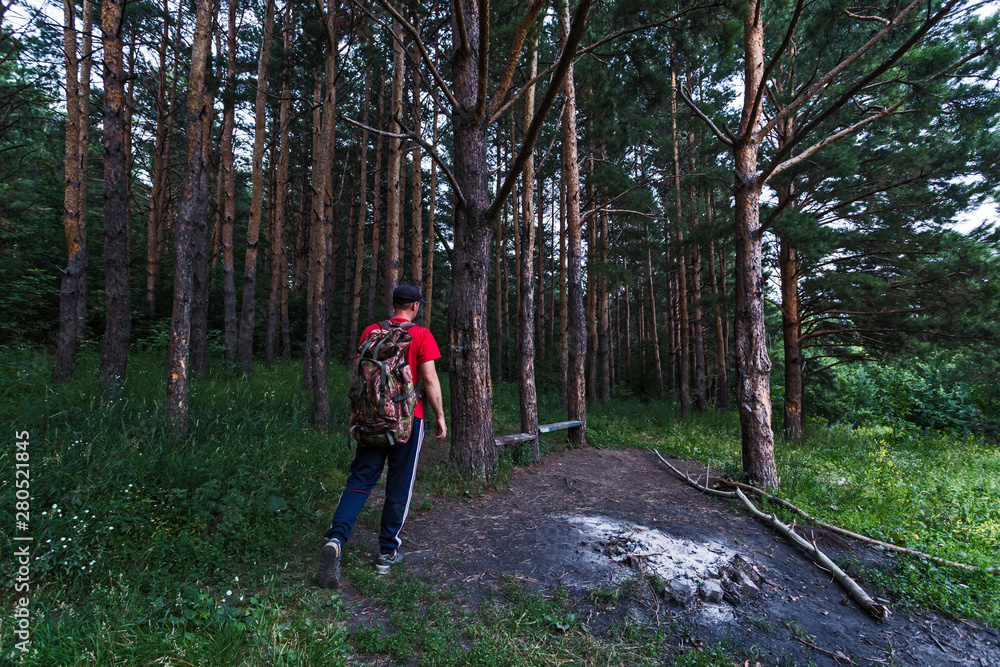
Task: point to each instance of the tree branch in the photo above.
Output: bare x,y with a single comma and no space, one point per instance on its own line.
828,78
515,53
755,109
918,34
423,50
484,58
413,136
528,143
463,32
727,138
601,42
851,129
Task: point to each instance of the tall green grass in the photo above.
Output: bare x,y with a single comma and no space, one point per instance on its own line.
149,548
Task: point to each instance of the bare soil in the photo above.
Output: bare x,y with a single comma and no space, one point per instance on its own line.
541,531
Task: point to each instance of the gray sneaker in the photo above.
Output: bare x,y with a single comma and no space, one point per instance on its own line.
386,562
329,565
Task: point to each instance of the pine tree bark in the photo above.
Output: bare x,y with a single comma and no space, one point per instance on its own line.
697,314
248,311
373,271
752,362
431,240
603,316
527,323
316,194
362,214
199,303
540,288
592,289
563,299
653,335
684,355
73,286
721,357
576,399
473,449
228,173
118,307
320,245
161,159
416,192
280,196
394,190
791,327
188,209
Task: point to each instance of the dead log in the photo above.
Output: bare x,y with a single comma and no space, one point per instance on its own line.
856,536
878,611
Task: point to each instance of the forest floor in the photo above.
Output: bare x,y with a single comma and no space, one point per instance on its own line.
564,528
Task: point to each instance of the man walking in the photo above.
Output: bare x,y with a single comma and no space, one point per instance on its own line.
366,468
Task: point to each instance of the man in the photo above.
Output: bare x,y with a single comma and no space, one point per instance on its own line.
366,468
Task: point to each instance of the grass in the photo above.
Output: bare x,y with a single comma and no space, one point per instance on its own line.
139,539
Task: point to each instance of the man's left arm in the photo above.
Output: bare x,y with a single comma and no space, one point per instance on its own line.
432,391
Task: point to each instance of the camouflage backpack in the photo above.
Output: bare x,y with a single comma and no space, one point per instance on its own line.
383,393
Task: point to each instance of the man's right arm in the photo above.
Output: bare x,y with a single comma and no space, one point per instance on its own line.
432,391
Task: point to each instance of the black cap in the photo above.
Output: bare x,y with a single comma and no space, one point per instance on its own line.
406,294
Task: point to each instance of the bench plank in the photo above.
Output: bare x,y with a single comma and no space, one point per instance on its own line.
548,428
505,440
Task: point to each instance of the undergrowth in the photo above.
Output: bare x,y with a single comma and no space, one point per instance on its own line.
934,492
149,549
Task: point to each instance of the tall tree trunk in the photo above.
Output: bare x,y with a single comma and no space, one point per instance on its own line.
231,335
161,158
684,357
752,362
628,326
576,399
591,315
188,209
499,248
73,286
317,244
721,358
653,335
359,250
373,271
698,324
279,262
416,193
248,311
118,308
603,316
431,241
321,271
199,303
473,447
527,323
791,326
563,300
394,190
540,289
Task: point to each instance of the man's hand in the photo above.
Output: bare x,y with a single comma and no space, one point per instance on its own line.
432,391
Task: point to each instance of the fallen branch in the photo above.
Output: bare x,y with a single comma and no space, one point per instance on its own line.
878,611
856,536
839,657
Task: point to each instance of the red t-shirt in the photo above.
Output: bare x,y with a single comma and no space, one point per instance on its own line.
422,348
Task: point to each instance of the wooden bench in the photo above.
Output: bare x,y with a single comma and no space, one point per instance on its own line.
517,438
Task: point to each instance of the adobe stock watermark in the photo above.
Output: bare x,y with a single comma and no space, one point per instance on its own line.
22,541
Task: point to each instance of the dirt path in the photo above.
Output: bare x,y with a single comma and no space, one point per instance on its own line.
573,518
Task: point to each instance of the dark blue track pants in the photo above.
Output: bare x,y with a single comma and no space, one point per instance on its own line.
366,468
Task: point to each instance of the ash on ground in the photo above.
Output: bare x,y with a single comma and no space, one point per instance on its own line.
689,570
